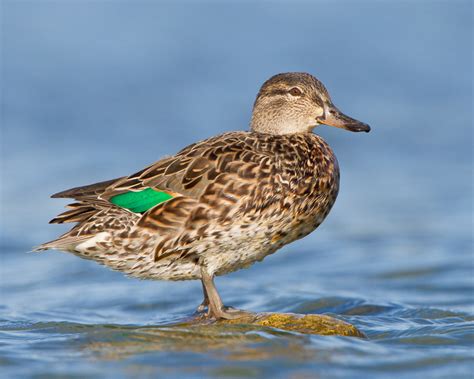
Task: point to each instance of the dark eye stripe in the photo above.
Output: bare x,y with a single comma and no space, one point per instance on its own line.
278,92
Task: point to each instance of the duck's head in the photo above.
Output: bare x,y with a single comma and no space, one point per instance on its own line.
297,102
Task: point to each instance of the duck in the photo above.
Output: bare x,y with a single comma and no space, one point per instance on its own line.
218,205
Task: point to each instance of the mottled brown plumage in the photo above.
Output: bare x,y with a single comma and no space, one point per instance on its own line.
236,197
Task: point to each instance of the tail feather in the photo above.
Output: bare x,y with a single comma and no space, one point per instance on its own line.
78,213
65,243
90,212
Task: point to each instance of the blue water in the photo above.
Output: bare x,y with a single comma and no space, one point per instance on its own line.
96,90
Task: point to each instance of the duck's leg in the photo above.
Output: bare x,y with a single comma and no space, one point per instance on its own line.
205,303
215,306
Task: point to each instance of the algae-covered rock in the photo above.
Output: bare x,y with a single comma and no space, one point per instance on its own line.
308,324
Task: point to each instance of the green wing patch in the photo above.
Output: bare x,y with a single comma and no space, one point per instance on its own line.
140,201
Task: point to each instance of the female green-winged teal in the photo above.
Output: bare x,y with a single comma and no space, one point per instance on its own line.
220,204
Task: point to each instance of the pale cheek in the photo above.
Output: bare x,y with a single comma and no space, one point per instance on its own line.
312,119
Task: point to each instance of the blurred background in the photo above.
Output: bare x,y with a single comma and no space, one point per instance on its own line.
93,90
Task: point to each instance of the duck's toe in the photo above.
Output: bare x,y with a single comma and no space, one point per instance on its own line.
227,313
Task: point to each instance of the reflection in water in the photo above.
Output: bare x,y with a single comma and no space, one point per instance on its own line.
233,342
251,337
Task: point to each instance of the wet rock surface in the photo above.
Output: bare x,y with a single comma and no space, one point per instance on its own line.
307,324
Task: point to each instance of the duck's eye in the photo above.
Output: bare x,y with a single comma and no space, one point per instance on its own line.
295,91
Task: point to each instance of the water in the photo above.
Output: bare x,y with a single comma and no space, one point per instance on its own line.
96,90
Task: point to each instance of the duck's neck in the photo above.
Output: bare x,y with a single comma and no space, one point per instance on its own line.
275,121
276,126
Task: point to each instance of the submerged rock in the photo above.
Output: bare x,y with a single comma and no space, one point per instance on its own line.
222,337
